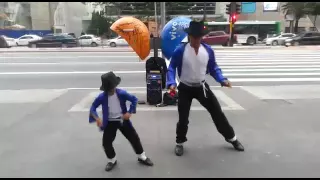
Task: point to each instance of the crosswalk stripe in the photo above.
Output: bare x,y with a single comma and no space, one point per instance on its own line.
83,104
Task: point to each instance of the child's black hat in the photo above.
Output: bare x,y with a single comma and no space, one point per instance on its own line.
109,81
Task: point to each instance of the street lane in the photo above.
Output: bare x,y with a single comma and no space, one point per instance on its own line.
83,69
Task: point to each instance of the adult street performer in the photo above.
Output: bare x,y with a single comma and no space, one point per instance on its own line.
193,61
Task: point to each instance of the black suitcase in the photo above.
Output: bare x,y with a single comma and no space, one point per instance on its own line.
154,88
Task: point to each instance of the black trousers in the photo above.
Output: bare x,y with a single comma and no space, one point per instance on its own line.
127,130
211,103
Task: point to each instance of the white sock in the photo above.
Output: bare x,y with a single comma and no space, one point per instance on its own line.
233,139
180,144
113,160
142,156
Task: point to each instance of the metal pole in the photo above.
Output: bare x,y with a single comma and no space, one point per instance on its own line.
163,16
156,18
205,11
65,12
232,12
50,16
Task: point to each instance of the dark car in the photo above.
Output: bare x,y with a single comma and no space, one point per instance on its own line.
304,38
217,38
53,41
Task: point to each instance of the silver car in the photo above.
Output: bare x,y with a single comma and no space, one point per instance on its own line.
279,40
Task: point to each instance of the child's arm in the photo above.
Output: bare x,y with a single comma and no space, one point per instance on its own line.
93,116
134,100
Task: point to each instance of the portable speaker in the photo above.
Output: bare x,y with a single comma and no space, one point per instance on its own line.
154,88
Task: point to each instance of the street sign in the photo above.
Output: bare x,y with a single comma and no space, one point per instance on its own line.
248,7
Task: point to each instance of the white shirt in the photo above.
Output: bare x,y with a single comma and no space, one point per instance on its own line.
194,66
114,106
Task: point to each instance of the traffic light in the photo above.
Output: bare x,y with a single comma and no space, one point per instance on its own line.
228,8
238,9
233,18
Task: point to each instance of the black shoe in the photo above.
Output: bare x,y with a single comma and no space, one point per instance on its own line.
110,166
179,150
237,145
146,162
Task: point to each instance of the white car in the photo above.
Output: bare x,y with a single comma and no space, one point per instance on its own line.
10,41
119,41
89,40
25,39
279,40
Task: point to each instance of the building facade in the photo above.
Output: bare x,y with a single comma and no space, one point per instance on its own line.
261,14
31,15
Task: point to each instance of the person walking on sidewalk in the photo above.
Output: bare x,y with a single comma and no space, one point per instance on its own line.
116,116
193,61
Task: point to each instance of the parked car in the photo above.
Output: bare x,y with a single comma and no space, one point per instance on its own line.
59,40
278,39
89,40
119,41
10,42
25,39
304,38
217,38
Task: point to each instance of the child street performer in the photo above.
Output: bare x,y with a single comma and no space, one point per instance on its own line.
116,116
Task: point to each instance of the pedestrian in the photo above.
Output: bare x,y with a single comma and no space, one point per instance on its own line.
194,60
115,115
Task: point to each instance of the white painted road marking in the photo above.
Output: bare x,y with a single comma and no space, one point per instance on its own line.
287,92
143,72
30,95
83,105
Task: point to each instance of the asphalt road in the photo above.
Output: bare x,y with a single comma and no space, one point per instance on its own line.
82,70
44,131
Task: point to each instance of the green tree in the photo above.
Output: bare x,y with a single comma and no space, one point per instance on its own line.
314,10
100,25
297,10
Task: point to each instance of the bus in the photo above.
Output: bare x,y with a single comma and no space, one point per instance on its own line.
247,32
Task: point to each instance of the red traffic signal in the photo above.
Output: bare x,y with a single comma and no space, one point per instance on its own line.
233,18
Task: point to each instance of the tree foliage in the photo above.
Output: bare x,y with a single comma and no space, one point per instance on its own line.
314,10
100,25
301,9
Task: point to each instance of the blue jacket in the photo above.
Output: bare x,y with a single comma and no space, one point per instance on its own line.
176,63
102,99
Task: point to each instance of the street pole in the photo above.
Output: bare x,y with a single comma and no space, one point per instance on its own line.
205,11
50,16
66,17
163,16
156,18
232,12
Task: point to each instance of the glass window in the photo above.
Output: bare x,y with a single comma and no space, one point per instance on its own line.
308,35
315,34
25,37
287,35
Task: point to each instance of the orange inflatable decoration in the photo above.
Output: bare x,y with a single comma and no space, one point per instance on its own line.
135,33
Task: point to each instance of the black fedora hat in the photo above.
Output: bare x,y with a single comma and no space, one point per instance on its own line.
109,81
196,29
